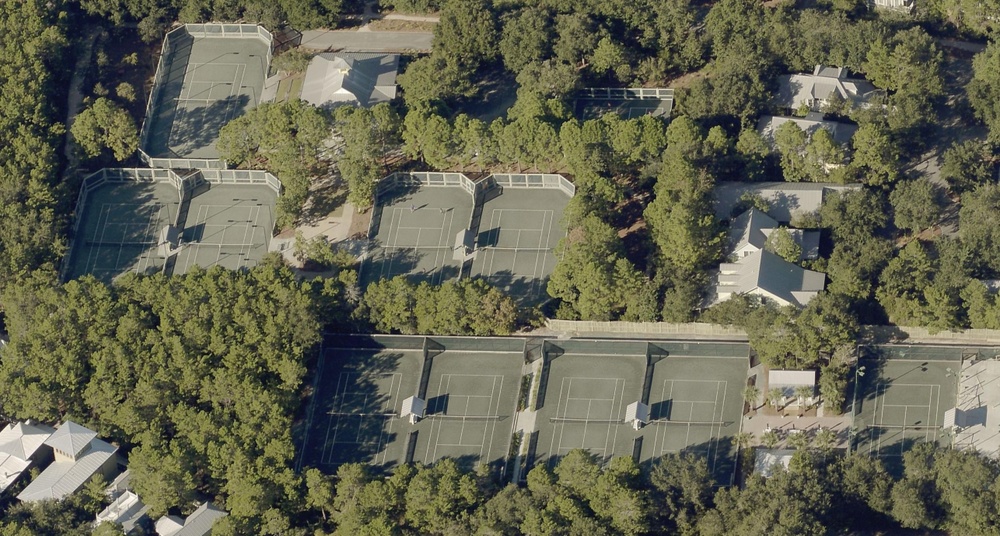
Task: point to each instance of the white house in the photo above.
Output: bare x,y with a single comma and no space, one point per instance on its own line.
810,124
896,5
767,461
79,455
358,79
815,90
22,444
199,523
789,382
785,200
769,276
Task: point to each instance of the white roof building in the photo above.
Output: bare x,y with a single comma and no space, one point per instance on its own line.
355,79
126,510
816,89
21,444
789,380
767,461
79,455
199,523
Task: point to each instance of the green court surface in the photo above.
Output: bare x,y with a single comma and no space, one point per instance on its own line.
208,82
901,396
693,392
518,234
471,400
220,225
626,109
414,234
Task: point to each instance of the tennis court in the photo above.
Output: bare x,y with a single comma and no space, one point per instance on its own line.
208,81
357,409
696,403
587,387
119,227
901,396
628,103
471,401
228,225
414,233
518,234
359,394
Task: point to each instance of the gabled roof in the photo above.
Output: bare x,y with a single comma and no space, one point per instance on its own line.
750,228
65,477
768,272
783,198
71,438
126,510
22,439
199,523
753,227
797,89
841,132
362,79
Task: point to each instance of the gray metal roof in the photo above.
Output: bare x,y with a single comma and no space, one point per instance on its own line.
65,477
364,79
797,89
70,438
784,198
22,439
199,523
841,132
768,272
753,228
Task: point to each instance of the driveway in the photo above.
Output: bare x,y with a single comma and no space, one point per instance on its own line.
355,41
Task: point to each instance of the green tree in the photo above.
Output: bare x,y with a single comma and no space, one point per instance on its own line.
916,205
526,38
966,165
979,228
783,244
876,155
105,125
984,89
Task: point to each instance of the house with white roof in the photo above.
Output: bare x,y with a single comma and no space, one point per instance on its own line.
126,508
768,276
79,455
748,234
22,444
199,523
895,5
817,89
810,124
356,79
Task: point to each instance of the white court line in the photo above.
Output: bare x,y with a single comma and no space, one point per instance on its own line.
609,450
102,215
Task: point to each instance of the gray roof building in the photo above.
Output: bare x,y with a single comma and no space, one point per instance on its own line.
784,199
841,132
355,79
816,89
79,455
21,444
769,276
199,523
749,232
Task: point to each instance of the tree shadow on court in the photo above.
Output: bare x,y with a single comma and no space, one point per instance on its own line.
199,127
406,262
356,411
399,193
526,291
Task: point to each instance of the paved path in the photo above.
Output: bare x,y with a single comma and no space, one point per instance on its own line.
367,41
963,45
74,101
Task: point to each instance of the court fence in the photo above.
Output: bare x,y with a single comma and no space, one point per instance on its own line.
475,188
242,31
628,93
185,186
